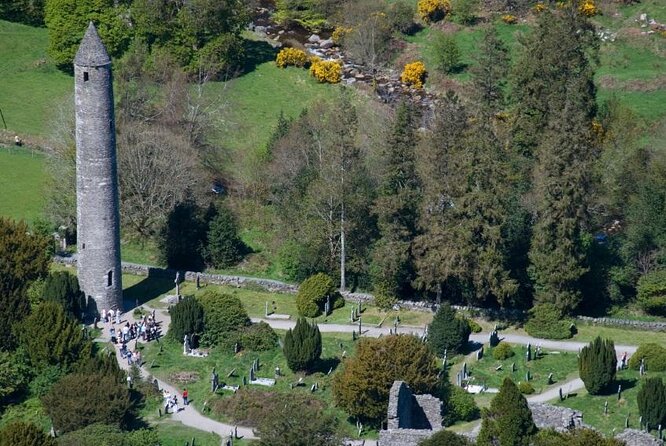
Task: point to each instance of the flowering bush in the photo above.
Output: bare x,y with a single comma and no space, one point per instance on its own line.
588,8
433,10
414,74
292,56
509,19
326,71
339,34
539,7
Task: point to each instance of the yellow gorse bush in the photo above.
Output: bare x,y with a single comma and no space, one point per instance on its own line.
509,19
414,74
292,56
433,10
339,34
326,71
588,8
539,7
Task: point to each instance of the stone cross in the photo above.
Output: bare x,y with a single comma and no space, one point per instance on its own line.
266,310
606,408
177,282
619,392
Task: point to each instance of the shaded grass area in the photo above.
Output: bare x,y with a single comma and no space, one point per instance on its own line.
29,410
562,365
170,362
31,86
592,407
21,182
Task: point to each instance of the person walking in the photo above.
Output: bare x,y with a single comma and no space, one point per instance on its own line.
185,394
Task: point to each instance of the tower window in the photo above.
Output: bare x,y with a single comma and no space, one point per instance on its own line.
109,278
85,76
83,246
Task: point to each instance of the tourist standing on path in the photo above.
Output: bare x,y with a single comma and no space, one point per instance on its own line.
185,397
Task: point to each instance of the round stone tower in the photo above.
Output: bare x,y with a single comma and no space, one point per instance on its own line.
98,217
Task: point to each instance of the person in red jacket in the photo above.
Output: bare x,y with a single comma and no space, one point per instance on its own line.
185,397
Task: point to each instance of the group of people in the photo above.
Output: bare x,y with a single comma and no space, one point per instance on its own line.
132,357
171,401
146,328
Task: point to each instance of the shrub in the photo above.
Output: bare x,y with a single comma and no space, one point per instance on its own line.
651,292
588,8
503,351
313,293
651,400
545,321
78,400
339,34
464,11
223,246
655,357
362,387
447,53
509,19
14,373
223,314
461,406
63,288
539,7
41,384
401,16
326,71
258,337
432,10
448,331
385,301
92,436
187,318
19,433
476,328
445,438
597,364
293,57
509,419
525,388
302,346
414,74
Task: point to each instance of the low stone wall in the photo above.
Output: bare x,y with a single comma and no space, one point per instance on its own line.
624,323
634,437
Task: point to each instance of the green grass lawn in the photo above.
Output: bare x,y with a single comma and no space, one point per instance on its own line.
21,182
562,365
31,86
592,407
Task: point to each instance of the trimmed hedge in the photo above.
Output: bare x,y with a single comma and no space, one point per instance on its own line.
655,357
503,351
546,321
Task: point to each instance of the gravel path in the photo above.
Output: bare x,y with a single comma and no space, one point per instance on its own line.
551,394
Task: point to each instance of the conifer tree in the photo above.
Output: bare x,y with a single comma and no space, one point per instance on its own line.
187,318
63,288
509,421
223,246
597,364
448,331
652,402
20,433
396,208
489,75
302,346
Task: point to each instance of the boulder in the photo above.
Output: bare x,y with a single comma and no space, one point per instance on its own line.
326,44
314,38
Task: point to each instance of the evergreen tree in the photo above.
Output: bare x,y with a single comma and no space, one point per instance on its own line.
63,288
280,131
489,75
20,433
24,258
313,294
223,247
51,337
182,237
448,331
597,364
445,438
187,318
396,207
302,346
224,315
652,402
508,422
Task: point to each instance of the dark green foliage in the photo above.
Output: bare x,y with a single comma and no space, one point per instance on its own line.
187,318
63,288
25,258
78,400
362,387
490,72
307,13
302,346
258,337
503,351
51,337
652,402
14,374
105,435
313,293
448,331
446,438
67,21
525,388
223,314
508,422
182,237
396,208
476,328
547,321
30,12
279,131
401,16
105,363
223,247
597,364
41,384
465,11
19,433
447,54
652,292
577,437
654,356
460,406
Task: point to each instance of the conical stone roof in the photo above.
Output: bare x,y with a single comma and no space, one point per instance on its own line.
92,52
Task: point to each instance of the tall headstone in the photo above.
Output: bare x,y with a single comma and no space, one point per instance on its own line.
97,211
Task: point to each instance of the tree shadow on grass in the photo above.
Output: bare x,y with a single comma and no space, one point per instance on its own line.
324,365
471,347
149,288
256,53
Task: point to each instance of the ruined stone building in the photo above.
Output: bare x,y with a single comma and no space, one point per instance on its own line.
97,213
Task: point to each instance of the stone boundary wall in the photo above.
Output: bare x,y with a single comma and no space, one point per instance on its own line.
282,287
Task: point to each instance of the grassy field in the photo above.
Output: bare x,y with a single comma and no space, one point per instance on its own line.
21,183
592,407
562,365
31,86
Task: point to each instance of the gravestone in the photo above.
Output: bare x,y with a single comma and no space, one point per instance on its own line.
528,353
619,392
550,378
606,408
479,354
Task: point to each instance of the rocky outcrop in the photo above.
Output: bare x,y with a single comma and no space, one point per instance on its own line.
634,437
